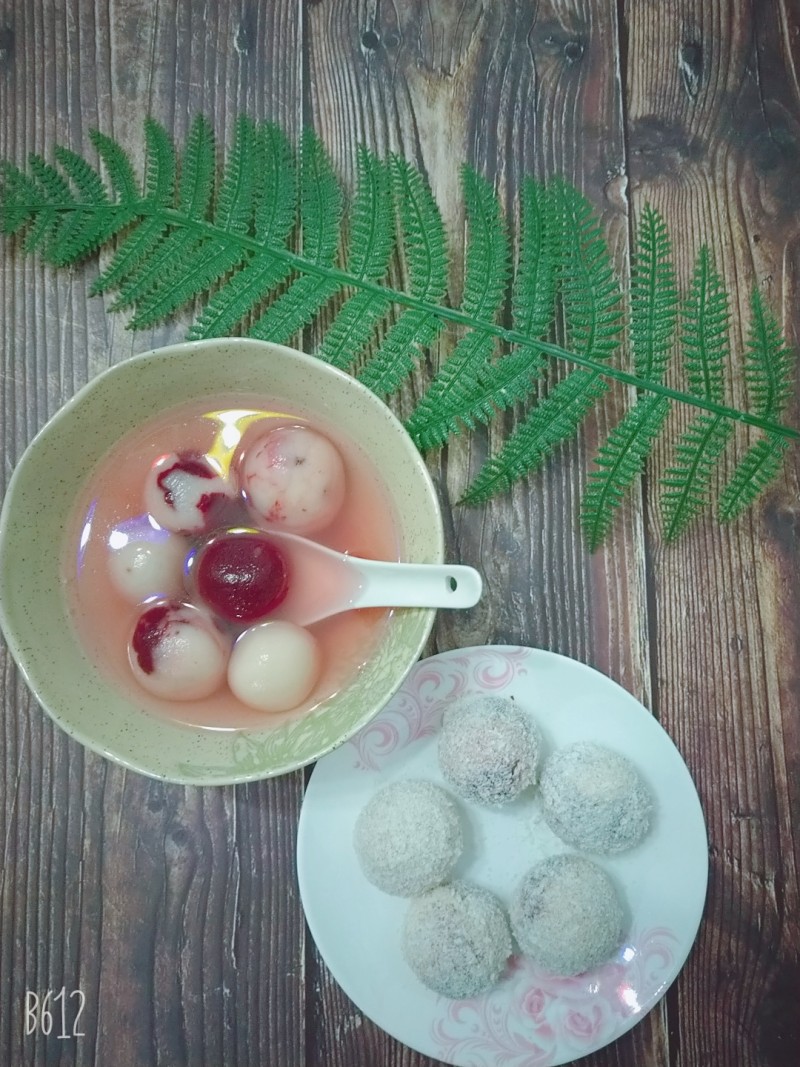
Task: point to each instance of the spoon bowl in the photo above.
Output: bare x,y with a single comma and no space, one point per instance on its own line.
323,582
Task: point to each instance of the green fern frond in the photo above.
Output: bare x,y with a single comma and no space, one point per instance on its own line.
131,255
687,483
589,291
654,297
163,260
533,296
87,182
185,278
53,193
231,241
769,362
198,170
20,200
320,219
275,209
443,411
95,219
654,314
768,373
371,242
160,167
425,253
118,166
618,463
277,191
554,420
234,209
239,295
705,330
504,381
753,474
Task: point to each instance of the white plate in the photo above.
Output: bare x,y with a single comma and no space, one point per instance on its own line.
530,1018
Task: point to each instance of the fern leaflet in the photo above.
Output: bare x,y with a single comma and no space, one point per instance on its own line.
370,247
320,218
618,463
589,291
686,484
768,372
654,312
553,420
274,200
425,253
445,406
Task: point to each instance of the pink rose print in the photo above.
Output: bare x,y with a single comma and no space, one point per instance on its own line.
416,710
535,1019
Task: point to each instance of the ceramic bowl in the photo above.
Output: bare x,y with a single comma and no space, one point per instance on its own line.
34,614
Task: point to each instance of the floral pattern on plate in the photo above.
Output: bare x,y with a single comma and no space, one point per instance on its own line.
416,710
524,1021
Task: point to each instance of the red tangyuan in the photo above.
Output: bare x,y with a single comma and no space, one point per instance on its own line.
241,575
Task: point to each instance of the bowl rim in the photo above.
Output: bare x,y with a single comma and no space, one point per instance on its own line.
8,628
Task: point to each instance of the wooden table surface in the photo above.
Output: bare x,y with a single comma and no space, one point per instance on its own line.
175,910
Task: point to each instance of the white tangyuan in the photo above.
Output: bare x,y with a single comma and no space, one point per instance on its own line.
141,569
176,652
274,666
183,492
293,477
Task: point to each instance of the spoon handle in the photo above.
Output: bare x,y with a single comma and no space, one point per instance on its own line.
416,585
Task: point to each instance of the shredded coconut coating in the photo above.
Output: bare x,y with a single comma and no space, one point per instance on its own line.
488,749
595,799
408,837
567,915
456,940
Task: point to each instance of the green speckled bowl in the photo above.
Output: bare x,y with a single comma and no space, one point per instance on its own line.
33,609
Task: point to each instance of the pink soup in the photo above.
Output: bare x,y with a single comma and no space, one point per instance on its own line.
111,513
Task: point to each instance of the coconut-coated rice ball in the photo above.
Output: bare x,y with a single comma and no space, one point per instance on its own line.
566,915
488,749
408,837
456,939
594,798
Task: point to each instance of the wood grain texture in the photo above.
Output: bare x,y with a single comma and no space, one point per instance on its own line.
175,909
512,92
713,143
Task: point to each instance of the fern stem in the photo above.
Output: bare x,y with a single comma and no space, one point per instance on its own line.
145,207
510,336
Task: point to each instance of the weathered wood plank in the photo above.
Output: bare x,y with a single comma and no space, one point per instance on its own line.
510,90
172,909
714,122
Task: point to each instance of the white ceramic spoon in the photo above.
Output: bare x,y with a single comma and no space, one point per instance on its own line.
324,582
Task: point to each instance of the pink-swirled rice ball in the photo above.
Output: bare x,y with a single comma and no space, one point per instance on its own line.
294,478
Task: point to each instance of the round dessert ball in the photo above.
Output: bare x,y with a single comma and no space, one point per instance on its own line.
185,494
274,666
456,940
176,652
566,915
488,749
408,837
153,568
294,478
242,575
595,799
